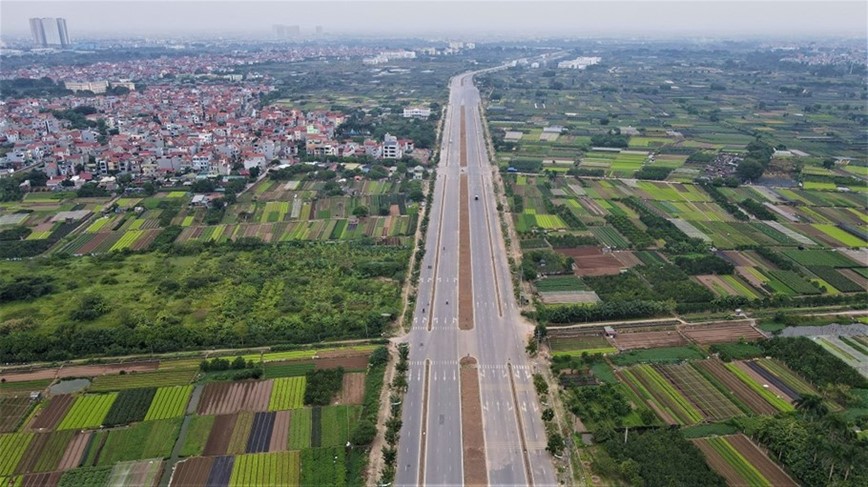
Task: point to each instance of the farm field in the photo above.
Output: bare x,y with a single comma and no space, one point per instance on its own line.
707,247
741,462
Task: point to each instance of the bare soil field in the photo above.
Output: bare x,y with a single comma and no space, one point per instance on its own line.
567,297
592,261
41,479
13,411
649,339
349,361
49,417
280,432
221,433
627,258
74,451
736,258
465,282
192,472
227,398
721,332
738,388
475,472
353,389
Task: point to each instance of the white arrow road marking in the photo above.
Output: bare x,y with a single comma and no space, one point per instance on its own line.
524,406
485,406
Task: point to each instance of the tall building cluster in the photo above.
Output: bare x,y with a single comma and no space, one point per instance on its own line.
49,31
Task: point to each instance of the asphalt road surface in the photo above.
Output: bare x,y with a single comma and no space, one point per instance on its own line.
511,413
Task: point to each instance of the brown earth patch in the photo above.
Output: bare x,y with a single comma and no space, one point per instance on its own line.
475,472
649,339
353,389
53,413
627,258
348,362
736,258
465,279
592,261
74,451
221,433
227,398
192,472
280,431
41,479
721,332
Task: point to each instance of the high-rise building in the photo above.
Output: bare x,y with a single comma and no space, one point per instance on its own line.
285,31
61,29
37,32
319,30
49,31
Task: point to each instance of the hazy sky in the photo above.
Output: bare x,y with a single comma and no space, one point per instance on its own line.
582,18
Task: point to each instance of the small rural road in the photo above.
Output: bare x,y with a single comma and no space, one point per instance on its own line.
431,451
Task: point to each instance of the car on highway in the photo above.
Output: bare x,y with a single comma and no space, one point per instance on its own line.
476,197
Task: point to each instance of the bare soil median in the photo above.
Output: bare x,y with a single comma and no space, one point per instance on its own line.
471,425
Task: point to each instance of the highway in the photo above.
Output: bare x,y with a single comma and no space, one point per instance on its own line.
430,449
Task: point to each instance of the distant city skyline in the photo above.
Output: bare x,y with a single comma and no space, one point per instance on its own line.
49,31
256,19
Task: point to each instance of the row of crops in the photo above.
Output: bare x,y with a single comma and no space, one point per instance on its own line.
710,390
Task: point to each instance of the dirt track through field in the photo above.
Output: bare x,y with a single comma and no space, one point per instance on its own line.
465,279
472,436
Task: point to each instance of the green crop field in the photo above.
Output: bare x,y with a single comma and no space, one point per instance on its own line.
266,469
337,422
658,355
130,406
197,435
287,393
12,448
274,370
652,387
150,439
323,466
142,379
88,411
169,402
299,429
